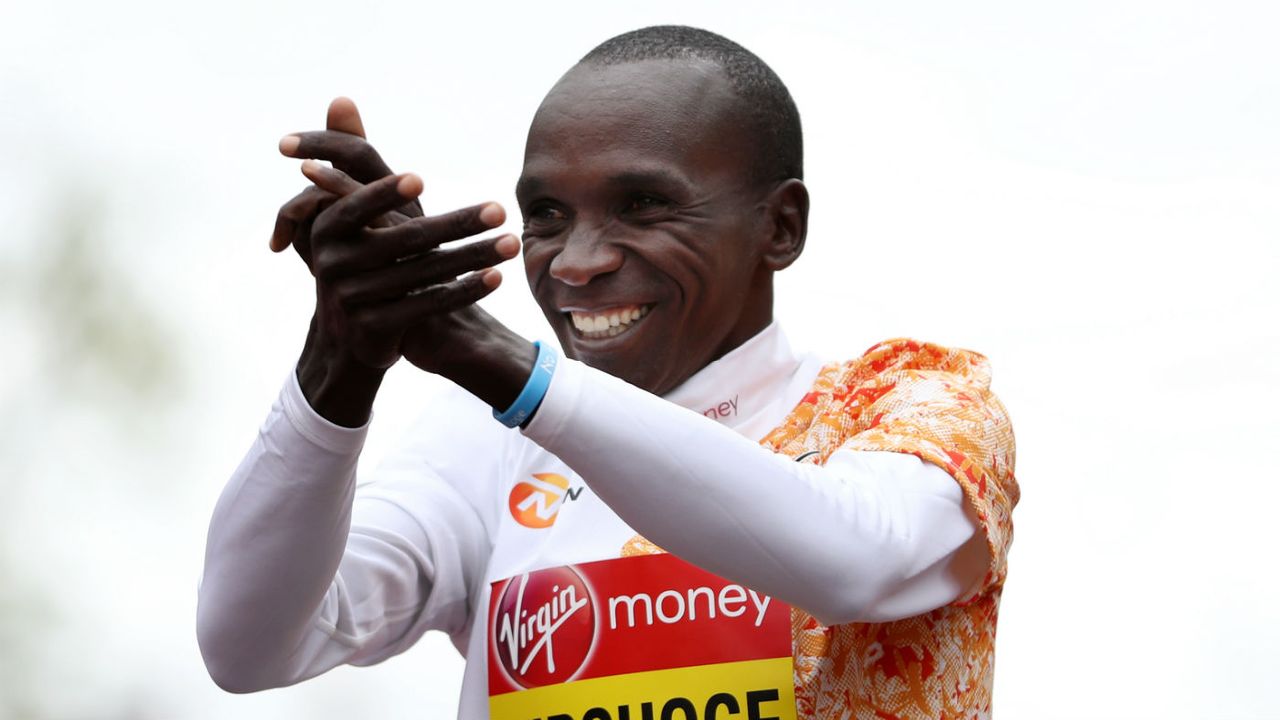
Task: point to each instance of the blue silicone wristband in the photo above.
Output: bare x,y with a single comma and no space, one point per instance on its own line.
534,389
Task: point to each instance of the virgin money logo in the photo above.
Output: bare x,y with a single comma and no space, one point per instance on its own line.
535,503
544,626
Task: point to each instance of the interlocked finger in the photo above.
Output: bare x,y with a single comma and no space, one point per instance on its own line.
380,246
342,184
425,233
442,298
418,274
297,214
350,153
345,219
330,179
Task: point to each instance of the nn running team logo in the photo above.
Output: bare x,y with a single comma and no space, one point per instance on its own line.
535,502
544,627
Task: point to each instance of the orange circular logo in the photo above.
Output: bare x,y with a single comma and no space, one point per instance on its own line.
535,503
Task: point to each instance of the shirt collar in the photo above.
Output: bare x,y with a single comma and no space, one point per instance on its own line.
743,388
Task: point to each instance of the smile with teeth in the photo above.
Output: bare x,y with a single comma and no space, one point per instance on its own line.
607,323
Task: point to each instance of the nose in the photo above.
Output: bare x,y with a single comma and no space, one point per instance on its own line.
585,255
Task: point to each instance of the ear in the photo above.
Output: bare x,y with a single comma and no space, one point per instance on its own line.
787,215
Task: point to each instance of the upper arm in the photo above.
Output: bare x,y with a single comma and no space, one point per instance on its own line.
953,422
415,553
934,550
421,530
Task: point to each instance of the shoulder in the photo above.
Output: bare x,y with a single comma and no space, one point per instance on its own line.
896,376
906,395
922,399
899,359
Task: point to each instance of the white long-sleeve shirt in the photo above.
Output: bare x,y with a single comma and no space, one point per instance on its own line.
304,571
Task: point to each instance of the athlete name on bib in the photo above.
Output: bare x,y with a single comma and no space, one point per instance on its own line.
640,638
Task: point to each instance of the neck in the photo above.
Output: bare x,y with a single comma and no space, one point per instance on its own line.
757,313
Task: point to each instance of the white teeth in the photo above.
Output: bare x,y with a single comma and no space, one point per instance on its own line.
607,324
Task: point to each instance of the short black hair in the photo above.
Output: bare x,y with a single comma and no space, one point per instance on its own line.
771,114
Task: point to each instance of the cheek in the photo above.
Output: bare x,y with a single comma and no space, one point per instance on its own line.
718,286
537,258
707,281
682,258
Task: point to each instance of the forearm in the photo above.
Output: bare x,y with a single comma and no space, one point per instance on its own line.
844,542
275,542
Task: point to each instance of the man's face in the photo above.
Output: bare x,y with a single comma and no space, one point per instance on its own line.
642,226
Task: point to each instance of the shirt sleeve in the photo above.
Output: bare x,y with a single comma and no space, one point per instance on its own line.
304,572
868,537
935,403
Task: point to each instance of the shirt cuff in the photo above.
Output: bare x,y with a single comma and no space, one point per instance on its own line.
313,426
558,404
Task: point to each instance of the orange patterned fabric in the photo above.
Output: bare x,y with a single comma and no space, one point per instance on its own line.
935,403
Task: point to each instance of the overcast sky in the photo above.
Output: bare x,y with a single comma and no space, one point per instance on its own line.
1085,192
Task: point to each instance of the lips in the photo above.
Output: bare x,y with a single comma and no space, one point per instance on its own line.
607,323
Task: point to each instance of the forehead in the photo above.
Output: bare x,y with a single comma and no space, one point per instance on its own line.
670,115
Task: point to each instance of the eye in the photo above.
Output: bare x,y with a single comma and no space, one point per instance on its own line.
542,215
646,203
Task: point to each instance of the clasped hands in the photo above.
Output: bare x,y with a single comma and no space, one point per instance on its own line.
385,288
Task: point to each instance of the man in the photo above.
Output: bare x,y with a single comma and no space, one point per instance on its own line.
837,533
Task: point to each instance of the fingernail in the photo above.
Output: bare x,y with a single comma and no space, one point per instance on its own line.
492,215
492,278
289,144
410,185
309,166
507,246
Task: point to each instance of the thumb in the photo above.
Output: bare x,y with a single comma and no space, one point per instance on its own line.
344,117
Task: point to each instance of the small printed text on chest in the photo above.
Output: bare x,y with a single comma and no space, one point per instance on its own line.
723,410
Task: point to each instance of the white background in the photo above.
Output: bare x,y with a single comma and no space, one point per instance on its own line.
1085,192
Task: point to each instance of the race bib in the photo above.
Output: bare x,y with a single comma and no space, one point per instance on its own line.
639,638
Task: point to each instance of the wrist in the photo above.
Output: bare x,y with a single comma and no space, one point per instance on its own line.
336,385
494,366
534,390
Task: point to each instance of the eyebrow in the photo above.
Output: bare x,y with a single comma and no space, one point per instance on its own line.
529,185
663,178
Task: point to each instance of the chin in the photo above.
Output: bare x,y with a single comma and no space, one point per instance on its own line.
642,356
627,369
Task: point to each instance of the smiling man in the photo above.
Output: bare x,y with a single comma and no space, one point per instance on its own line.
690,516
666,177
